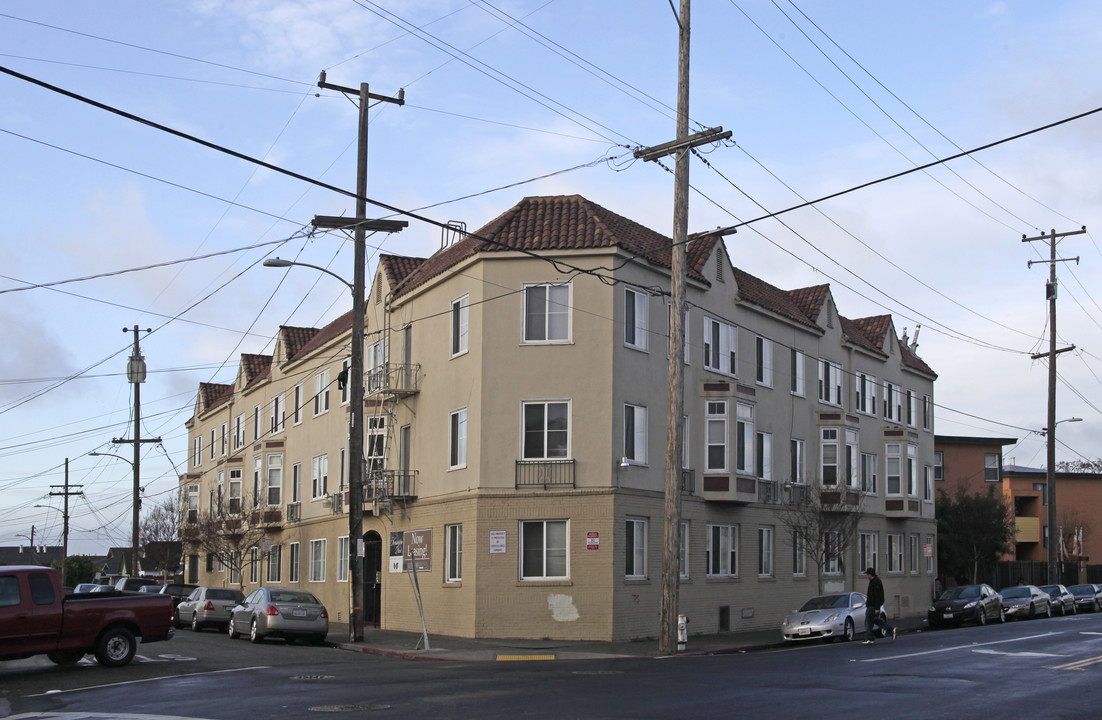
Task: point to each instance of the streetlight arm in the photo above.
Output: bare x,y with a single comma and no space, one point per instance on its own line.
120,457
278,263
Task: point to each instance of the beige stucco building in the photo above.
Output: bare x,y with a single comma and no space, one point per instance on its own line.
515,421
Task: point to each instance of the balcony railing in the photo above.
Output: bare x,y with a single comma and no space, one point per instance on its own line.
294,512
796,493
545,473
337,500
688,481
768,491
390,484
393,379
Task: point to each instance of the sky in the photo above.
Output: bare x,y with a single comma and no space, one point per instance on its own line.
110,223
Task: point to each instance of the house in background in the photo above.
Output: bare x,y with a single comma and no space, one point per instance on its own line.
1078,506
31,555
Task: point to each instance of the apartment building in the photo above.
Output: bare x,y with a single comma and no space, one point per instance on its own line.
515,430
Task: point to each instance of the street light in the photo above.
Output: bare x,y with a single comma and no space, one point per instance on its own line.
1044,431
1050,472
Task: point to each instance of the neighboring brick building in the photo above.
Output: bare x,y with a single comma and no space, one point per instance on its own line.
515,431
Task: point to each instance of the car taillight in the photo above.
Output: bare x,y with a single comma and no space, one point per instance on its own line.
272,610
325,613
209,606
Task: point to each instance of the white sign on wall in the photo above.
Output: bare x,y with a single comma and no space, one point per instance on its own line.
497,542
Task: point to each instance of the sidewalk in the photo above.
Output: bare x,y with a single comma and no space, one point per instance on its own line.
409,646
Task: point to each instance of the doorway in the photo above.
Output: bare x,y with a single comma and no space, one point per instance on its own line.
373,577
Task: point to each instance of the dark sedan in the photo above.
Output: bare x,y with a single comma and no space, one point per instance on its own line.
966,603
1063,601
1087,597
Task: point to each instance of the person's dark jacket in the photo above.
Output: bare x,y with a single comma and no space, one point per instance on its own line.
875,592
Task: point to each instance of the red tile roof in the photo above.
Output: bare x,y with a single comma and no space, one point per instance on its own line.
295,338
810,300
326,334
213,394
868,333
255,367
762,294
914,361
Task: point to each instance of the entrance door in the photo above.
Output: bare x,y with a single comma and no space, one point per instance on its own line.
373,576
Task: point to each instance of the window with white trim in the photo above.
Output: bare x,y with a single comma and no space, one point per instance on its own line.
258,472
852,479
912,553
635,434
197,451
722,555
683,550
895,553
460,325
765,551
256,422
867,544
796,461
635,548
278,413
799,553
930,554
319,468
238,432
254,565
457,439
763,350
635,319
911,403
317,560
344,381
939,466
375,366
715,424
546,430
991,470
275,480
212,431
275,564
453,553
763,456
744,438
912,471
222,440
797,372
235,489
865,387
193,503
832,553
376,442
927,413
720,346
342,558
894,468
927,483
868,474
543,550
293,562
893,400
828,457
296,411
321,393
546,313
296,482
830,382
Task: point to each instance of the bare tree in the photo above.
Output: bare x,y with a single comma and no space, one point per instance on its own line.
228,533
823,522
158,536
1081,466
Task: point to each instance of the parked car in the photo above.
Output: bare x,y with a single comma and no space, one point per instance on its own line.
177,591
966,603
103,589
1063,601
85,587
37,618
280,612
207,607
1087,597
1026,601
134,584
827,618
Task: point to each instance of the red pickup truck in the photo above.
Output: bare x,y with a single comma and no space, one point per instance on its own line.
37,617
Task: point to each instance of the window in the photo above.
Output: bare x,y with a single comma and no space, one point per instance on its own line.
851,459
292,563
796,461
212,444
722,556
635,319
1043,489
799,553
720,345
193,503
317,560
744,438
635,434
376,442
296,411
763,456
911,403
868,475
894,468
991,470
939,466
460,325
275,480
546,313
320,477
865,387
256,423
912,554
546,430
543,550
279,413
912,471
321,393
296,482
222,443
930,554
234,568
453,553
764,361
686,454
344,380
197,451
892,402
927,483
635,548
867,544
683,550
254,565
342,558
832,553
193,569
238,432
375,366
830,382
829,457
765,552
895,553
275,563
235,489
457,439
258,469
715,428
797,374
927,413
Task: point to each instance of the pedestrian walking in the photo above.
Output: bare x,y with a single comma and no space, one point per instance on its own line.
874,608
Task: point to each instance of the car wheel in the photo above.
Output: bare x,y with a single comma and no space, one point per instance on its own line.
196,626
981,616
229,630
1048,613
255,636
1074,609
847,634
1033,611
1096,606
65,657
176,623
1002,614
116,647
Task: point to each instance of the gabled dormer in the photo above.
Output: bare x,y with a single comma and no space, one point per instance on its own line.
210,396
290,342
252,370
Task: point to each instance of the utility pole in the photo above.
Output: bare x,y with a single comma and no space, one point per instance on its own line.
135,375
1050,431
66,492
356,387
671,576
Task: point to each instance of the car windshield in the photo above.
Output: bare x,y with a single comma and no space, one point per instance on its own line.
220,594
1051,589
826,602
293,596
962,592
1081,589
1015,592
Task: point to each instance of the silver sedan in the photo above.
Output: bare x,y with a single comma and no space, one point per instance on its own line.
827,617
280,612
1026,601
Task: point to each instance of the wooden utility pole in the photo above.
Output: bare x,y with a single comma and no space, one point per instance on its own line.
66,492
1050,429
